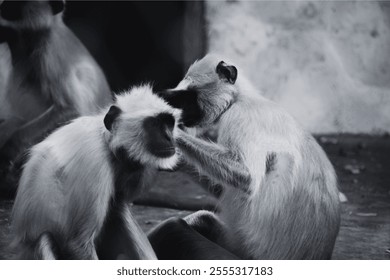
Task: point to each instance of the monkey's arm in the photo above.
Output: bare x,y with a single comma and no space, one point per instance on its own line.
215,161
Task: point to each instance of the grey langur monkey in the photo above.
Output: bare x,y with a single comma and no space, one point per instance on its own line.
280,198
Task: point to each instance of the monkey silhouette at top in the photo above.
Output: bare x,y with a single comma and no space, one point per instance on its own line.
53,80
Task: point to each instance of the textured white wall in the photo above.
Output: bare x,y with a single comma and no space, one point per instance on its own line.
327,63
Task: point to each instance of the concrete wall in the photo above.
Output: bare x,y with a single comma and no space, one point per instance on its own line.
327,63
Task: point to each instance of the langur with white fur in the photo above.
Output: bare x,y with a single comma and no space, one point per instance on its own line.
280,197
74,193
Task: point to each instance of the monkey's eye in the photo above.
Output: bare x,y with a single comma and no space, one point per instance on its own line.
227,72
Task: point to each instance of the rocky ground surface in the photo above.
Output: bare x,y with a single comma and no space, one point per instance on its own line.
363,167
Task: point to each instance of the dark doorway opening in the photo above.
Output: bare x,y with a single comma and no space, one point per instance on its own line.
134,42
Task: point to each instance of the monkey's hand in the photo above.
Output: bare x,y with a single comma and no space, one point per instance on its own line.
216,161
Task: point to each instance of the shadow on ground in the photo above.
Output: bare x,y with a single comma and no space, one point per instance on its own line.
363,167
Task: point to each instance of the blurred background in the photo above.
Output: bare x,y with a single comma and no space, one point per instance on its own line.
140,41
326,62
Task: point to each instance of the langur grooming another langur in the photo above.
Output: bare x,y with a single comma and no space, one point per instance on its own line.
280,197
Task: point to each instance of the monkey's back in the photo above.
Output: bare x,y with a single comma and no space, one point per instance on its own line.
83,82
293,211
66,184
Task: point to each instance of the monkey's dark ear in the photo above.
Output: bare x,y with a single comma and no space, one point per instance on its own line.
57,6
111,116
228,72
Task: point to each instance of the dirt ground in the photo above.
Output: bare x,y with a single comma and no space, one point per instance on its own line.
363,167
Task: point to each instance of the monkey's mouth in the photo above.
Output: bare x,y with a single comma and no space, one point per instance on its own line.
164,152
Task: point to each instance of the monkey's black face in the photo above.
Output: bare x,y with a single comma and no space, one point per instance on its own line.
187,101
204,94
157,131
159,135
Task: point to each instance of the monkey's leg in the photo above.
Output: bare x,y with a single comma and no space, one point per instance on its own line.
215,161
122,237
81,251
208,225
46,248
176,239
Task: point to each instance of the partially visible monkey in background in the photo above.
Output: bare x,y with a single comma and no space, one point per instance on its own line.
280,199
74,193
53,80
